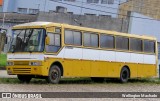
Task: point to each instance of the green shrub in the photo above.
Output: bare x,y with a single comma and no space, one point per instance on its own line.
3,60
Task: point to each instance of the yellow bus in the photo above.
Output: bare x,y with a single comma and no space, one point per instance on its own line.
54,50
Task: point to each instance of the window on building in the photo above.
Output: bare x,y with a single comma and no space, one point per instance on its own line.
110,1
89,14
70,0
70,12
149,46
106,41
136,44
90,39
33,11
51,11
22,10
73,37
122,43
107,1
92,1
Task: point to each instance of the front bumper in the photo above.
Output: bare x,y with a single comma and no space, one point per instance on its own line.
24,70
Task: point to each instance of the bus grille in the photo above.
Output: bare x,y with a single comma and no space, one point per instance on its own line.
21,62
22,70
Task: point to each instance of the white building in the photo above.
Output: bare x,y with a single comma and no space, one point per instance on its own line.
98,7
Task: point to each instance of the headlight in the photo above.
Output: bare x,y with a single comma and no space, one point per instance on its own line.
10,63
35,63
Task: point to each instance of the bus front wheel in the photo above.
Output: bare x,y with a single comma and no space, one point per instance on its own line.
24,78
54,75
124,76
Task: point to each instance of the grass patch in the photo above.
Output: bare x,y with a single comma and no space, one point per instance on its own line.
82,81
146,80
3,60
43,81
9,81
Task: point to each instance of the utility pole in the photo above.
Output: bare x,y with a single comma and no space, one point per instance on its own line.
2,39
45,5
4,15
38,7
81,7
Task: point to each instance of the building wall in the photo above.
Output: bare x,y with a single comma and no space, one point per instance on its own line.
149,8
48,6
9,5
92,21
99,22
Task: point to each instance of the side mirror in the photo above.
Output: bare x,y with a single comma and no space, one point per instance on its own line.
47,40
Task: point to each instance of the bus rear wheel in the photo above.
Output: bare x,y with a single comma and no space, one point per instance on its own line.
24,78
125,74
54,75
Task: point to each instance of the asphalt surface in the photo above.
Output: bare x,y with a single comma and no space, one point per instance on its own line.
78,87
83,88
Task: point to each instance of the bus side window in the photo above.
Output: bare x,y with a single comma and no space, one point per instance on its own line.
149,46
136,44
73,37
122,43
54,44
91,40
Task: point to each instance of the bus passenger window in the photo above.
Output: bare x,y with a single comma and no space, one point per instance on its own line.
135,44
122,43
54,45
73,37
149,46
107,41
90,40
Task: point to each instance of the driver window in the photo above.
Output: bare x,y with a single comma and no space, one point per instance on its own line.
54,44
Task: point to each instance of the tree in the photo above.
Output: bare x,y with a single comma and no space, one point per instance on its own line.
2,40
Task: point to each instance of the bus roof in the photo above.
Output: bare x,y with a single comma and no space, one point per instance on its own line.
31,24
50,24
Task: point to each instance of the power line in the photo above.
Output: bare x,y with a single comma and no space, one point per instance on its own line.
97,5
102,11
119,3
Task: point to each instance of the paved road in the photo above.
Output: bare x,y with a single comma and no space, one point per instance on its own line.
82,88
78,87
95,87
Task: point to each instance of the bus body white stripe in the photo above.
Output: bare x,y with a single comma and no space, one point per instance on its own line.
90,54
137,58
25,56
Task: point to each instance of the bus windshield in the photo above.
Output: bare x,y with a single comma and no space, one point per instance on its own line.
28,40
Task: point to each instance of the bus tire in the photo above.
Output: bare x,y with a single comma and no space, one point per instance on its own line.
54,75
24,78
124,75
97,79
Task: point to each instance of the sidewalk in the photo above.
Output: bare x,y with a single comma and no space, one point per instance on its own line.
3,74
